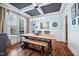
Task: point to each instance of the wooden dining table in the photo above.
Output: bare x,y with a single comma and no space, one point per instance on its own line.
42,37
50,37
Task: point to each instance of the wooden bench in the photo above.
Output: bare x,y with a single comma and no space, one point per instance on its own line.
39,43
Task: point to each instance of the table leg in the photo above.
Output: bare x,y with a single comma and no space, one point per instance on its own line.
49,47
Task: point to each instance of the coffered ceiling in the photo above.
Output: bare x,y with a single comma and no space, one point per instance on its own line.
36,9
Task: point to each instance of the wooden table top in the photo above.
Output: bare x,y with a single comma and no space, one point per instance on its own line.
51,37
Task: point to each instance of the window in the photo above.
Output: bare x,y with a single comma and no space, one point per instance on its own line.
13,23
21,25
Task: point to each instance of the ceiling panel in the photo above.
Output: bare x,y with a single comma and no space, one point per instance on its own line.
21,5
53,7
33,12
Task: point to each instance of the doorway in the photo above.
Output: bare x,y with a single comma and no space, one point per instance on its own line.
66,29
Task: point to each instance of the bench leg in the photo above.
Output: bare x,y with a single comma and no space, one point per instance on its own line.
43,50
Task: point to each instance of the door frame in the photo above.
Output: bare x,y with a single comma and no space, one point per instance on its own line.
66,29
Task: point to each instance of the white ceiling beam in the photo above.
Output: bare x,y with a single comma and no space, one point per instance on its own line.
54,13
43,4
49,14
14,9
32,7
27,8
63,7
40,10
34,4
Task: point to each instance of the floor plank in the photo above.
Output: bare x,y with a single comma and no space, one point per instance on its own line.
58,49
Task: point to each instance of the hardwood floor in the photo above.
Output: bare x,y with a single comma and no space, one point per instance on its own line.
61,49
58,49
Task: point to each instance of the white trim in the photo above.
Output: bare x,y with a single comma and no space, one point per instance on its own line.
21,11
14,9
32,6
27,8
63,7
73,50
49,14
40,10
54,13
43,4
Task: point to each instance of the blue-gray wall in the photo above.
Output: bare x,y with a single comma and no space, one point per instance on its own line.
58,31
73,31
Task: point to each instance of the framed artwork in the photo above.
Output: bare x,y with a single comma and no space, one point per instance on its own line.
77,9
55,24
78,21
41,25
73,21
44,25
33,24
36,26
73,11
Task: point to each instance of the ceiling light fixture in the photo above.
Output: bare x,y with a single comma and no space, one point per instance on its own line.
36,7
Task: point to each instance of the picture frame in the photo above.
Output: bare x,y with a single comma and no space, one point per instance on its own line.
78,21
33,24
77,9
73,11
36,26
44,25
41,25
73,21
55,24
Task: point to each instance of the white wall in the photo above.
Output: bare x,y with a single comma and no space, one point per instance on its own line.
58,31
73,31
